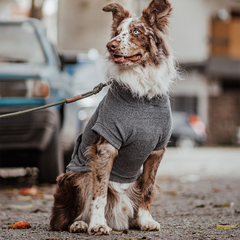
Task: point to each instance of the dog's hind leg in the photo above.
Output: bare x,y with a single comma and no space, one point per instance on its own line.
150,167
69,200
103,155
84,196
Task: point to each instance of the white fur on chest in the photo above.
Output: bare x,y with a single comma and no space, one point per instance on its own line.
148,81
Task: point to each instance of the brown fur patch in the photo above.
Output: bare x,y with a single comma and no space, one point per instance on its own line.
151,42
112,199
157,14
68,200
148,179
103,156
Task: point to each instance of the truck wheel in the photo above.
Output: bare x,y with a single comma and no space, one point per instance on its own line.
51,159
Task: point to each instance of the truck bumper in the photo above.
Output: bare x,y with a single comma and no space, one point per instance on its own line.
27,131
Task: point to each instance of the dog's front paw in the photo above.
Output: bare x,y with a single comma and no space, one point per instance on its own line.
99,229
146,222
78,227
150,225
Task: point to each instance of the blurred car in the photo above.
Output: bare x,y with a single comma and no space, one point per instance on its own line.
32,74
188,130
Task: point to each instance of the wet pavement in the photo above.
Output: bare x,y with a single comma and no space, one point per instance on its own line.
200,191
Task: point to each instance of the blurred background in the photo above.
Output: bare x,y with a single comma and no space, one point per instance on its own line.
205,37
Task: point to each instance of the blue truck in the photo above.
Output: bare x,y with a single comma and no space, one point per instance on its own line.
32,74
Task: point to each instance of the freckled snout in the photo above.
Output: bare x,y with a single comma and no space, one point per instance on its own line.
112,46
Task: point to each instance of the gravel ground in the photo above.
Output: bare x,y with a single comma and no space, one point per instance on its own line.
188,209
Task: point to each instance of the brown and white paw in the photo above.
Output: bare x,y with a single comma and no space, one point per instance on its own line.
99,229
78,227
150,225
146,222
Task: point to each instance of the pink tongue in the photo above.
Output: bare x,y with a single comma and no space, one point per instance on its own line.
120,59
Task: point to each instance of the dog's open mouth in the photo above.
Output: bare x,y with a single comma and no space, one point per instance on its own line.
124,59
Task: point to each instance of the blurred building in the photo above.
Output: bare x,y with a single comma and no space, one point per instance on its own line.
206,41
206,38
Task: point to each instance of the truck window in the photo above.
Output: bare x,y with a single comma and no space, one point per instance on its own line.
20,43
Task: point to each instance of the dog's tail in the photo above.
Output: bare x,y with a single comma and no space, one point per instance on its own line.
66,202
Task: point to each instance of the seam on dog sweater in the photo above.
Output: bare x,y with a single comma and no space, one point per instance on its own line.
134,126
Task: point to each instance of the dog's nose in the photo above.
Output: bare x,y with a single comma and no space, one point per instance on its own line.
112,46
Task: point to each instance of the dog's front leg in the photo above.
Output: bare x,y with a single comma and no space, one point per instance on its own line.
103,157
150,167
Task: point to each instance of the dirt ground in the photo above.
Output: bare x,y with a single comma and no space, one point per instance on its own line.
188,209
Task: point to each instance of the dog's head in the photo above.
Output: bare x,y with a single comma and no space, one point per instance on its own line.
139,54
139,40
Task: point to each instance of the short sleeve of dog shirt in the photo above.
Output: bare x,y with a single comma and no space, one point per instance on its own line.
107,134
163,141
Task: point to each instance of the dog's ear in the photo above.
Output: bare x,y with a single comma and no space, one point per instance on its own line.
118,13
157,13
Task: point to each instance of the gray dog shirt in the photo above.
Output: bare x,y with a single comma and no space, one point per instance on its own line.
134,126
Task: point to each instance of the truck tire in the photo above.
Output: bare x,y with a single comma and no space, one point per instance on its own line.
51,159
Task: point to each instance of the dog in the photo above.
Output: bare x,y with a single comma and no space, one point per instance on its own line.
110,181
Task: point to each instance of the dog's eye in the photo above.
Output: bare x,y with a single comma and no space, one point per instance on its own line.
136,32
116,33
